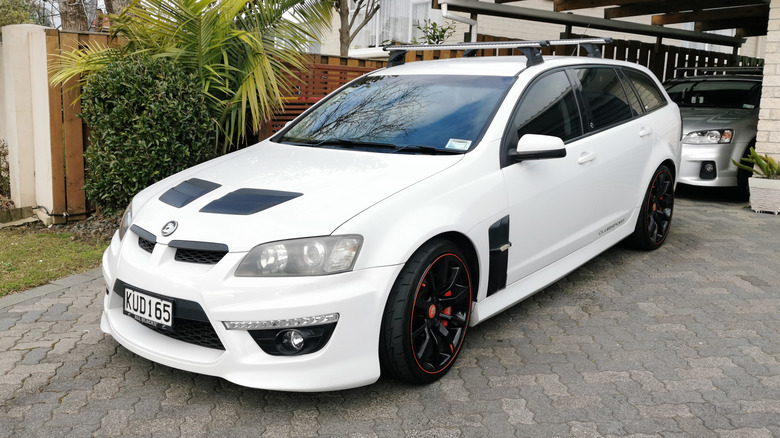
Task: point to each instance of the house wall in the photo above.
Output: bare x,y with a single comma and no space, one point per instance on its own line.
768,138
2,96
530,30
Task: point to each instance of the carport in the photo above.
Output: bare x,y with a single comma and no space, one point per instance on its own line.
660,19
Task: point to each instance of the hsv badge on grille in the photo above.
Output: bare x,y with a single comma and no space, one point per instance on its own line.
169,228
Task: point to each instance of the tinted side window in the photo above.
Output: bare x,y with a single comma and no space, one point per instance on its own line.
548,108
649,93
633,98
604,96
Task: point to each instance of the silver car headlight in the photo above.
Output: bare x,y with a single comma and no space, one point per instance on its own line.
300,257
127,220
713,136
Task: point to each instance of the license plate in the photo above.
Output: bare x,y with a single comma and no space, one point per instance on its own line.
147,309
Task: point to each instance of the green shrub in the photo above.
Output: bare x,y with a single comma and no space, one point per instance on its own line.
148,120
5,174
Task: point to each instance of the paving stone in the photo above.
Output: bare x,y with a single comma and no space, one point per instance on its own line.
680,342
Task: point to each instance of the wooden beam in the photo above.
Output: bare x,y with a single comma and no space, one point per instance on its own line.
570,5
538,15
756,12
702,26
751,31
670,6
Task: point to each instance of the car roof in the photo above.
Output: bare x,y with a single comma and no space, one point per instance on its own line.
493,65
716,78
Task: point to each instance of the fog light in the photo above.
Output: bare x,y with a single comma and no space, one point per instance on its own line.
293,341
290,341
708,170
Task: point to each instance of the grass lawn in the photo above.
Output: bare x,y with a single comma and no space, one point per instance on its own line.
34,255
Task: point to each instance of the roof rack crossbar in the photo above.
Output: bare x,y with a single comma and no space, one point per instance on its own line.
529,48
589,44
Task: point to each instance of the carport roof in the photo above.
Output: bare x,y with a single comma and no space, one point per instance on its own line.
748,17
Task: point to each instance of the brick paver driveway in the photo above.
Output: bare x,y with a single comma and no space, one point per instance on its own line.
684,341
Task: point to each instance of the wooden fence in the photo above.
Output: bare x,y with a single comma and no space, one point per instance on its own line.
325,75
69,135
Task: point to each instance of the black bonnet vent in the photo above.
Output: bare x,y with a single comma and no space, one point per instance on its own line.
248,201
187,191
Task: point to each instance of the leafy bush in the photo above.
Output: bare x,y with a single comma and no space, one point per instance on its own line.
5,178
148,120
434,33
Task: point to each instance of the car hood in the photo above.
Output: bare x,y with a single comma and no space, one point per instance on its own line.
271,192
696,119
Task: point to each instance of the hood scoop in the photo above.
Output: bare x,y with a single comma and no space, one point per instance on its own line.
248,201
187,191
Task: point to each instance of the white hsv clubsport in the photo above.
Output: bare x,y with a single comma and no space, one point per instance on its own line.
375,229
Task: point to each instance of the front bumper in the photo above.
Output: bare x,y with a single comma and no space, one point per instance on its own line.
349,359
694,155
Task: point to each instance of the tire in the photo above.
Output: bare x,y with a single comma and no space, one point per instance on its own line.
427,314
655,216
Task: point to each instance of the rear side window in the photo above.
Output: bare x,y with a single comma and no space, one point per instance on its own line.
648,91
604,96
548,108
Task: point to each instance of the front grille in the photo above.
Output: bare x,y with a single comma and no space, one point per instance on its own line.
199,333
146,245
199,256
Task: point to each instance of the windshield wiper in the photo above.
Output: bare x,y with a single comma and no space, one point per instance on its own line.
352,143
339,142
427,149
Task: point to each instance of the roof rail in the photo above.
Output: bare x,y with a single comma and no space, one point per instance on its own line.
529,48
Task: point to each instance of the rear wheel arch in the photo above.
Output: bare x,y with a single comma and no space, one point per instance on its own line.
672,168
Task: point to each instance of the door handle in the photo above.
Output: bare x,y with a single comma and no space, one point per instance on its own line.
644,132
585,157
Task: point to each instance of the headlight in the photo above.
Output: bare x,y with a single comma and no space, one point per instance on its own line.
127,220
299,257
709,137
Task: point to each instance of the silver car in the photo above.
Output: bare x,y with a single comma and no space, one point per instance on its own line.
720,119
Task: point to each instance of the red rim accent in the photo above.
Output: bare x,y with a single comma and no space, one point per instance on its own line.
443,319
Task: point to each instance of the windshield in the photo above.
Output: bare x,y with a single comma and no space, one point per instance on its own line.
415,113
718,94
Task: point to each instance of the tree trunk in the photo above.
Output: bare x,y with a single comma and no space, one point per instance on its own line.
116,6
73,16
344,39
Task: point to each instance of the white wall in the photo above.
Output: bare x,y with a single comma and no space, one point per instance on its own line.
768,138
25,114
530,30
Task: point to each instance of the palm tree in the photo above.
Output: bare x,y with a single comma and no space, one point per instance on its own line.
245,52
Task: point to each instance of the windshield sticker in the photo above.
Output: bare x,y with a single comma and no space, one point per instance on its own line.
458,145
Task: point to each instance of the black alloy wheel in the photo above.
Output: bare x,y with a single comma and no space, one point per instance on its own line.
655,218
427,314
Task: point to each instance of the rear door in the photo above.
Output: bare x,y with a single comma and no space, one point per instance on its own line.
621,144
551,201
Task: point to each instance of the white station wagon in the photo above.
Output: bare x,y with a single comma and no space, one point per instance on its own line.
375,229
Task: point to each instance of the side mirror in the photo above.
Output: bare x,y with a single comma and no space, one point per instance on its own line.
538,147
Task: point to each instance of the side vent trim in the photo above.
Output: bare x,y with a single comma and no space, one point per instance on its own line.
498,238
